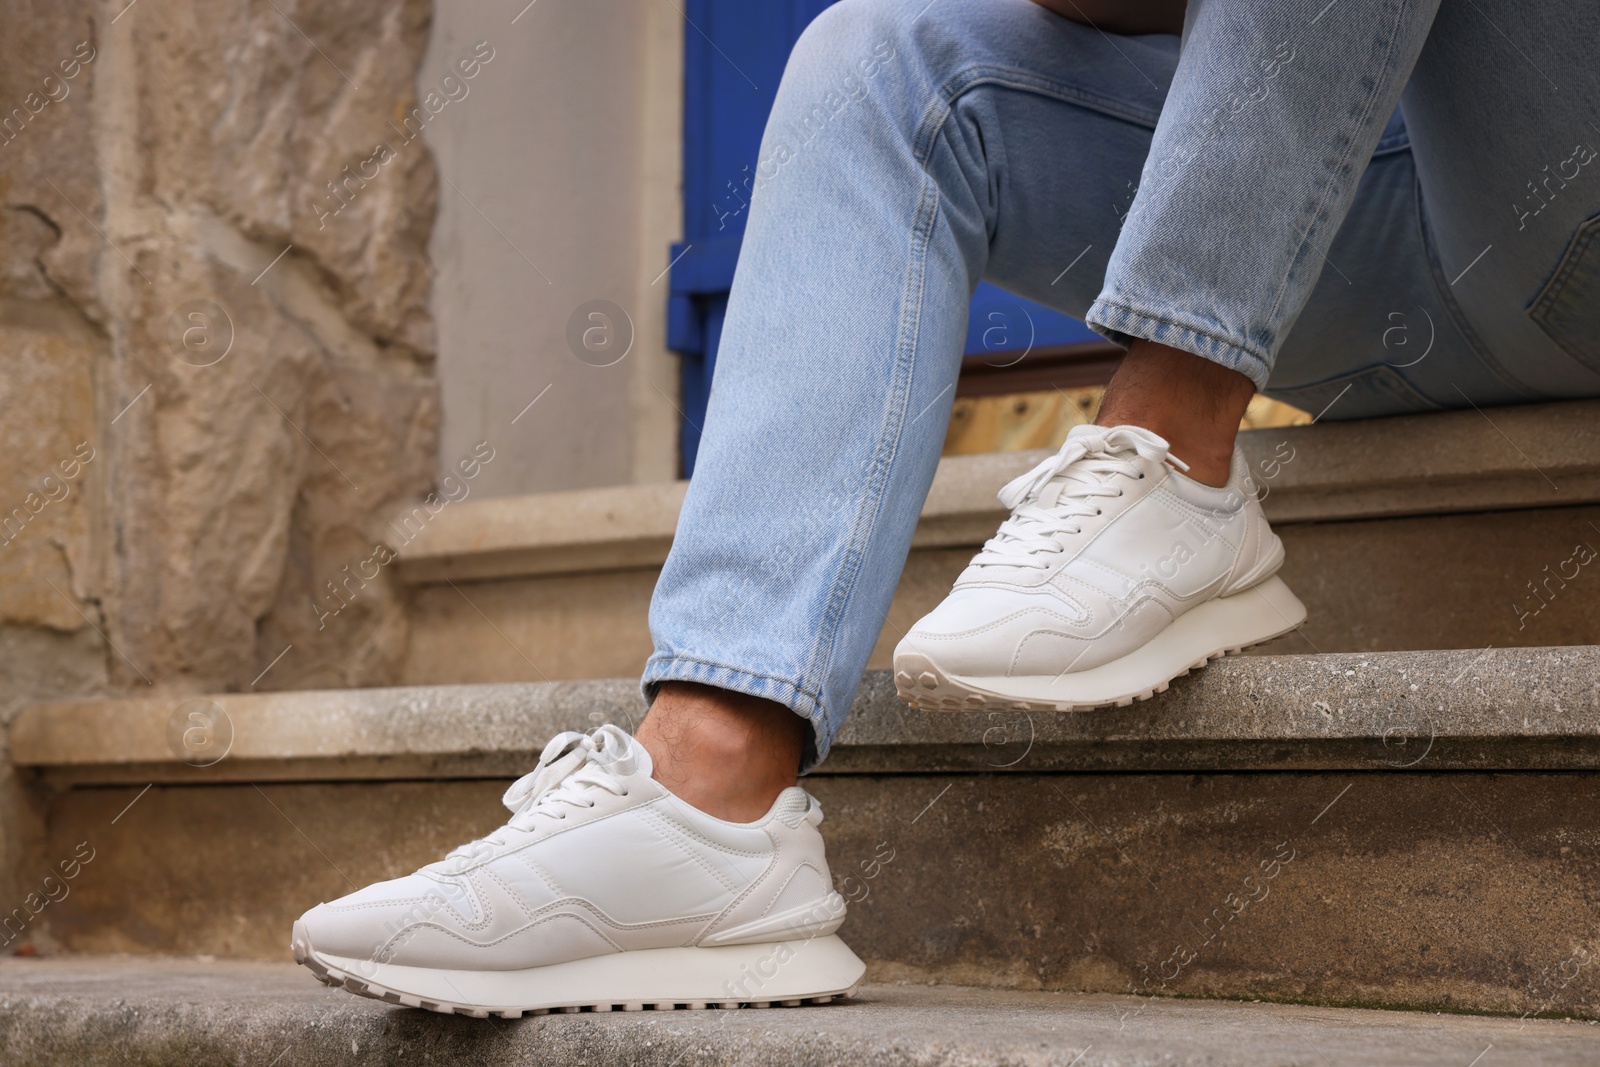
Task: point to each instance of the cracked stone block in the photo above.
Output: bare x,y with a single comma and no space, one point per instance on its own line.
47,437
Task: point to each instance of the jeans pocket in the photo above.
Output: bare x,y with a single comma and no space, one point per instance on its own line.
1568,308
1363,394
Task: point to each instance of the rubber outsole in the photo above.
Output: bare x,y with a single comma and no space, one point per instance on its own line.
921,683
330,973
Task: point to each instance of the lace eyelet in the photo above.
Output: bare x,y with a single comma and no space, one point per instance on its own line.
1141,476
1097,511
625,792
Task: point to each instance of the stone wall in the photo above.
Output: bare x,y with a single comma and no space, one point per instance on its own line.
216,355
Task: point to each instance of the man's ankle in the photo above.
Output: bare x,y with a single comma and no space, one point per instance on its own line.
1192,402
725,753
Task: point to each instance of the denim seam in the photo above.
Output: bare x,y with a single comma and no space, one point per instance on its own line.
679,668
1383,375
1430,252
679,657
1551,291
1226,343
889,442
964,81
1551,296
1229,342
1333,176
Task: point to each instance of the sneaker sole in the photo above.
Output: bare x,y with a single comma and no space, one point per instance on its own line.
782,974
1220,627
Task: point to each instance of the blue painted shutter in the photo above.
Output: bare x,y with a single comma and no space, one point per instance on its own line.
729,88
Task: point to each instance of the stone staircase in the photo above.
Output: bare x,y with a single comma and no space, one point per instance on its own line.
1393,808
114,1013
1397,533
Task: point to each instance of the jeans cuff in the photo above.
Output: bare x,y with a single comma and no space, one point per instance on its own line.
662,667
1124,325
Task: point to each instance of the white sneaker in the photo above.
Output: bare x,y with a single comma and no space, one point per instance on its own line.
1114,575
603,891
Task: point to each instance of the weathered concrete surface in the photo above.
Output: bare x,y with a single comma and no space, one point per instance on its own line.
109,1011
1444,581
1391,882
547,533
1506,709
38,663
592,625
1455,890
1442,463
224,870
1488,709
1456,581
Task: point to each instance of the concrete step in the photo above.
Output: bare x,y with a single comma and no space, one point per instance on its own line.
1484,709
1405,829
91,1011
556,586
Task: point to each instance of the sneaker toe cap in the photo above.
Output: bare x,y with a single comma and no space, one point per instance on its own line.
363,924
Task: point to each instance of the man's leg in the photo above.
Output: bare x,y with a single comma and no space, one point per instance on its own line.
1454,271
1274,113
726,753
1116,573
882,179
886,166
1194,404
1503,114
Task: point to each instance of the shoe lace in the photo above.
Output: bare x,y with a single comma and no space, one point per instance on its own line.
1048,501
570,768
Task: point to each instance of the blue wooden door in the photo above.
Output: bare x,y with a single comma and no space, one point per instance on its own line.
734,54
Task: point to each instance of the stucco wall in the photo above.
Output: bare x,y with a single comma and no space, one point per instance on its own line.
560,168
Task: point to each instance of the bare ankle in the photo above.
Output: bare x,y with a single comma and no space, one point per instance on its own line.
1192,402
728,754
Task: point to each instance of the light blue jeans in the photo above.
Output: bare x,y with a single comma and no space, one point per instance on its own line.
1217,198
